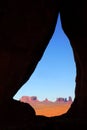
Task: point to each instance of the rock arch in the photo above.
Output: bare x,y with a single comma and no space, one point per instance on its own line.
25,30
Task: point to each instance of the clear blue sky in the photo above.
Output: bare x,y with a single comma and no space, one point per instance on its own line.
55,74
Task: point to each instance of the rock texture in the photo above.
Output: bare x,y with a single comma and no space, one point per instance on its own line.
25,30
28,99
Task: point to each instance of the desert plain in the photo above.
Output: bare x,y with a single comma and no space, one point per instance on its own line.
48,108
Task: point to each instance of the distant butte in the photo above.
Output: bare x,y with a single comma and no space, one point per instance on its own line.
28,99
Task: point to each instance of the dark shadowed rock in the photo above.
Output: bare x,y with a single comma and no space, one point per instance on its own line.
26,26
34,98
28,99
70,99
60,99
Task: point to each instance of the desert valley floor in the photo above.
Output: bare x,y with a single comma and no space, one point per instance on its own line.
48,108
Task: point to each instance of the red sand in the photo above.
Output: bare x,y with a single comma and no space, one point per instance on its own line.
50,109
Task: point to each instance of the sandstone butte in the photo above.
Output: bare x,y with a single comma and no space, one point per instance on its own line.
46,107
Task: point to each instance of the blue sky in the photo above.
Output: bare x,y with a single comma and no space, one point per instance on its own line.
55,74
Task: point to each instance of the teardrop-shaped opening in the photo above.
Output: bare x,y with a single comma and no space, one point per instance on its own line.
51,86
